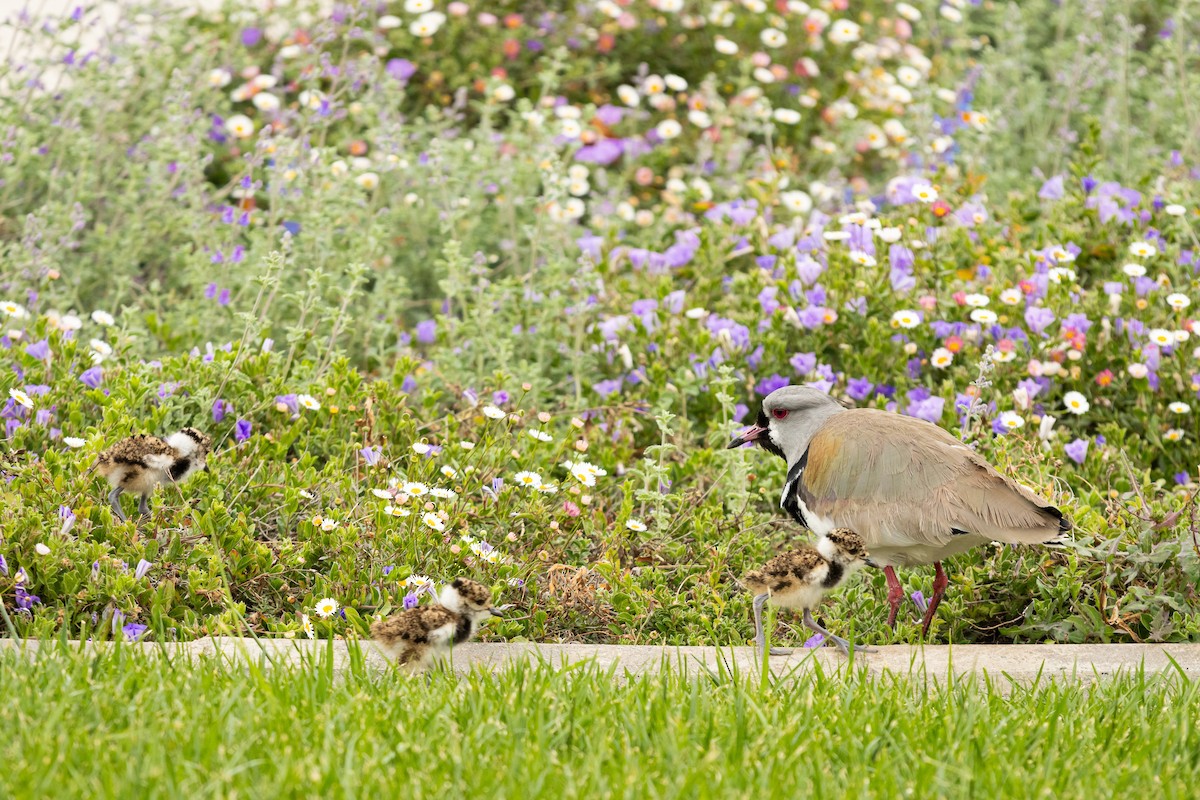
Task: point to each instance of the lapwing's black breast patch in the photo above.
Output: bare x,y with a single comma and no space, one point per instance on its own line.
834,576
462,631
791,491
179,468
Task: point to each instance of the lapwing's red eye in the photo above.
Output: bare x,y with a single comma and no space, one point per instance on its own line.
779,413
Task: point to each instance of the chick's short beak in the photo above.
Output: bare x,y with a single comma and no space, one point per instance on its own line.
752,435
870,562
498,611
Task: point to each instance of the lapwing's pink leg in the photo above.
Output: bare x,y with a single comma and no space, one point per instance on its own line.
895,595
940,582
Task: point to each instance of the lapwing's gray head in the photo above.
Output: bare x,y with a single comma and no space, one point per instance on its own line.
788,420
469,598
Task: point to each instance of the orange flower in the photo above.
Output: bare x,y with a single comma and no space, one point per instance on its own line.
1104,378
954,344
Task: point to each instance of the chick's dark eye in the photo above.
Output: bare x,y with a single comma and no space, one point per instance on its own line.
779,413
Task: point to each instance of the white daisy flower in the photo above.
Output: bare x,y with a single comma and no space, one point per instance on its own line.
861,258
668,129
15,310
1161,337
941,358
1134,270
906,319
529,479
20,397
1011,296
773,37
433,521
328,524
309,402
984,316
414,489
383,494
1076,403
635,525
1143,249
396,511
1174,435
449,472
977,300
491,412
443,494
103,318
1175,210
925,193
422,583
240,126
307,626
326,607
1178,301
74,441
1179,408
1011,420
796,201
541,436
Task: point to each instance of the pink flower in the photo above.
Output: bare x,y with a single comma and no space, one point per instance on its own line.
571,509
928,302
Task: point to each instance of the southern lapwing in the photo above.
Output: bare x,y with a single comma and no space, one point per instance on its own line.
420,637
799,579
142,462
913,492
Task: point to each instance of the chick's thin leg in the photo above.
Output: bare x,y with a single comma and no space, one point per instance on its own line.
760,637
114,500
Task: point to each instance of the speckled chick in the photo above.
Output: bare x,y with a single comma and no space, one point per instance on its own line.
799,579
420,637
142,462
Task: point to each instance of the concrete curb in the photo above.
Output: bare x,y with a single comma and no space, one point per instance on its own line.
1017,663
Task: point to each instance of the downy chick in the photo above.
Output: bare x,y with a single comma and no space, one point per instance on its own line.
800,578
142,462
419,637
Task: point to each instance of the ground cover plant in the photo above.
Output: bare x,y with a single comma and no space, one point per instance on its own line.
102,725
485,290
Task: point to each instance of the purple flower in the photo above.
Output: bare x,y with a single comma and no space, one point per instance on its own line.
251,36
859,388
1052,189
134,631
223,298
1182,478
371,455
1077,450
39,350
803,363
410,600
768,385
918,597
929,409
68,520
426,331
241,430
605,388
1038,319
25,600
219,409
3,566
210,291
500,397
92,378
143,567
814,641
401,68
289,401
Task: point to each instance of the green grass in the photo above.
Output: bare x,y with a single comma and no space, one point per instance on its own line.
122,724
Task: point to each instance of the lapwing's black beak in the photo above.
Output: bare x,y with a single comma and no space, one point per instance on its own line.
751,435
870,562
